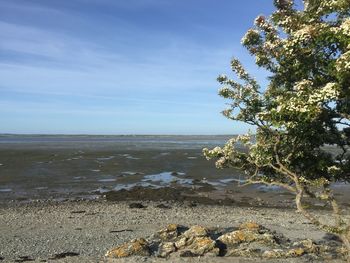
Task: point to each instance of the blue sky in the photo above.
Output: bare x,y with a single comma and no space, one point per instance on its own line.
120,66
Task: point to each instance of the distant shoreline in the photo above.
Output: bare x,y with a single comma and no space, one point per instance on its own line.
87,134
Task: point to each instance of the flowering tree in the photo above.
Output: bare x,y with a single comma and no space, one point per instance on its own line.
304,108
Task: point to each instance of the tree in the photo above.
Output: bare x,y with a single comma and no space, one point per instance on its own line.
304,108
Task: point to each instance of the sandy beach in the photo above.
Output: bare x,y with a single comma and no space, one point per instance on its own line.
86,230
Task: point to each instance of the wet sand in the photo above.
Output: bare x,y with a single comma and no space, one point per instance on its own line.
94,167
63,168
59,174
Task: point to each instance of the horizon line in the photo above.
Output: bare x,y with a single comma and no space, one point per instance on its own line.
126,134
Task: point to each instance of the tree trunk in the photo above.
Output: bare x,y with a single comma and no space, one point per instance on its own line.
345,237
346,240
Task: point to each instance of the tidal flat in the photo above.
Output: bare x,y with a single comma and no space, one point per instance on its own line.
59,168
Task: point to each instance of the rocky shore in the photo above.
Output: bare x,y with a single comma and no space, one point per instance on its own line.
85,231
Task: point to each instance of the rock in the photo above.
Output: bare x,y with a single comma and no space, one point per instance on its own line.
24,259
163,206
195,240
136,247
248,232
251,240
308,245
197,245
64,255
237,237
196,231
245,236
203,245
78,212
181,243
121,230
295,252
250,226
169,233
188,253
136,205
275,253
165,249
192,204
341,250
243,252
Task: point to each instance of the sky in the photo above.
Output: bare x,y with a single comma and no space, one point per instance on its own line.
121,66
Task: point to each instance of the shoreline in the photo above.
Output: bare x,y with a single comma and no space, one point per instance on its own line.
203,195
87,229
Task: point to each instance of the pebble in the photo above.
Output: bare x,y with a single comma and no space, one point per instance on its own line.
136,205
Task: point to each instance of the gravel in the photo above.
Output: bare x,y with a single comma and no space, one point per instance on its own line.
83,231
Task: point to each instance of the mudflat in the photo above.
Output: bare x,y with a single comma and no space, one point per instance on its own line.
120,168
73,167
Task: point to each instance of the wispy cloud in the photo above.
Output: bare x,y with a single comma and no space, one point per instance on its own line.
111,58
59,62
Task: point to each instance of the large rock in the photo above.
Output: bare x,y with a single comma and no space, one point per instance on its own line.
197,245
307,244
275,253
136,247
169,233
248,240
243,252
197,242
196,231
311,247
165,249
296,252
248,232
203,245
245,236
187,253
251,226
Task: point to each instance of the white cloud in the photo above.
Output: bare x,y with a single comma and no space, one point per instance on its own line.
58,62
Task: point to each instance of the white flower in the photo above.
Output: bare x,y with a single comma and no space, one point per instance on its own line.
303,84
343,62
345,26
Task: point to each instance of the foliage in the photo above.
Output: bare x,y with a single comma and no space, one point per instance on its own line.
304,108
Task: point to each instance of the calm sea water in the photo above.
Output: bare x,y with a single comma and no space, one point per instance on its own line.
133,141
